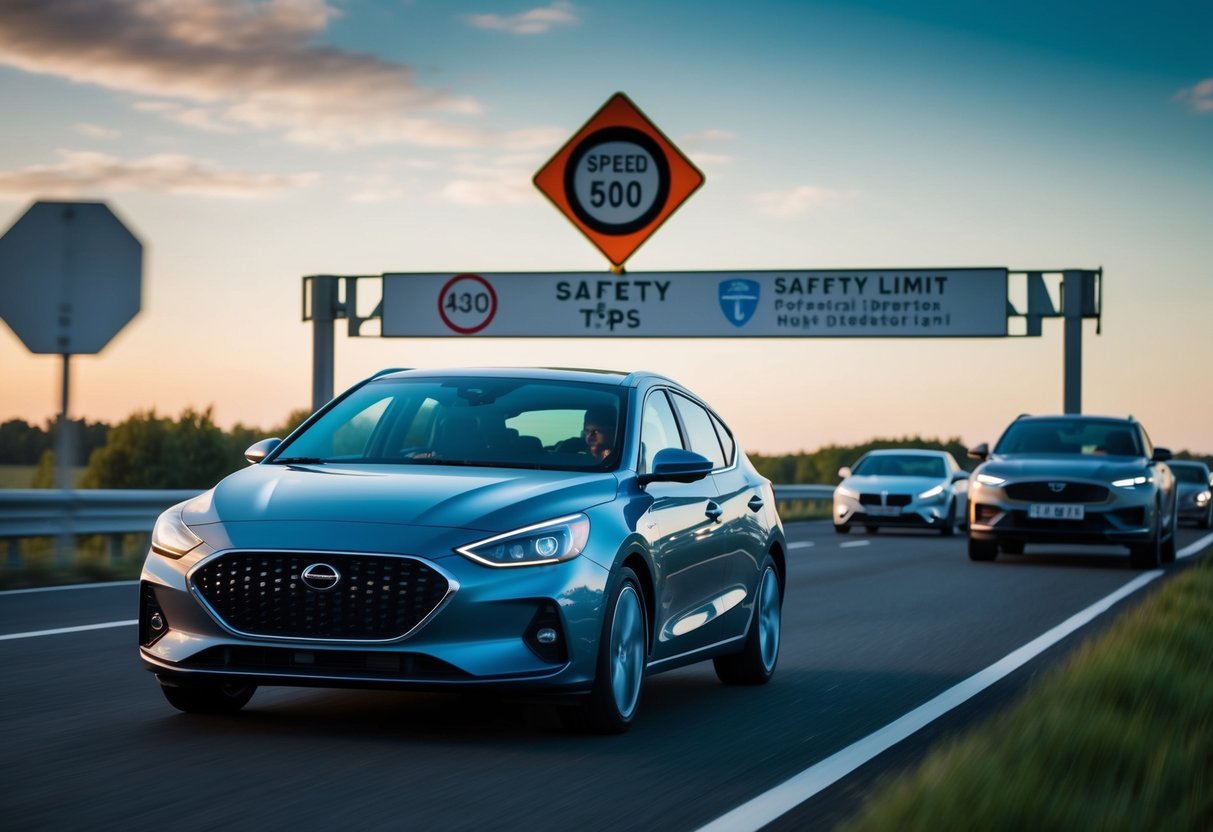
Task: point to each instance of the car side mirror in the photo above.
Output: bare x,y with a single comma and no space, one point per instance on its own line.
260,450
1161,454
677,465
979,452
960,475
844,472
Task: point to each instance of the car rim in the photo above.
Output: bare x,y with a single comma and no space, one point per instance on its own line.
627,651
768,619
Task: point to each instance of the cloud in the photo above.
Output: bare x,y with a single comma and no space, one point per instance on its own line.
532,22
235,65
499,183
95,131
798,201
1199,97
82,173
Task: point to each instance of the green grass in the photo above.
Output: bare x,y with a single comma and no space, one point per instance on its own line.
1119,738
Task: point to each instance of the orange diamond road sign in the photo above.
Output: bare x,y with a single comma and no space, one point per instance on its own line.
618,179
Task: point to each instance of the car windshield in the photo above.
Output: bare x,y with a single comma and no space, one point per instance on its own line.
1190,473
900,465
1071,436
497,422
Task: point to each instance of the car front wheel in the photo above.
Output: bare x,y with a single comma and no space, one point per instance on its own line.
207,697
755,664
615,697
982,549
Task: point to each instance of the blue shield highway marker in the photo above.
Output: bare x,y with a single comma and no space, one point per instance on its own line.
739,300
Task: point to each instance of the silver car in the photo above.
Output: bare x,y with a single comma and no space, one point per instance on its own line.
906,488
1073,479
1195,485
529,531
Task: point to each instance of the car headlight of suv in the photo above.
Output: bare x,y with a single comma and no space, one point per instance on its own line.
171,537
1202,499
987,479
931,493
550,542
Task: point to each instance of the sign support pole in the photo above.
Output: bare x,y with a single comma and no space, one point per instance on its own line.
64,456
324,314
1072,309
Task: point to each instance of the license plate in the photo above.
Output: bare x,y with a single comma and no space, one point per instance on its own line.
1055,511
884,511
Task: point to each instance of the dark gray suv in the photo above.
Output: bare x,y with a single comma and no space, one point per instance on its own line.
1073,479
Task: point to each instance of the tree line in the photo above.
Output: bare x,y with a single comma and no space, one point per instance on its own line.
148,450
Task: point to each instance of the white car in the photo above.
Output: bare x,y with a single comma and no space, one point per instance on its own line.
899,487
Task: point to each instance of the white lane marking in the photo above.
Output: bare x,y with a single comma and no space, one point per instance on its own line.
760,811
853,543
801,544
81,629
1192,548
68,586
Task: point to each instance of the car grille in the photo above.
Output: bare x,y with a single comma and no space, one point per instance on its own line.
890,500
1041,492
377,598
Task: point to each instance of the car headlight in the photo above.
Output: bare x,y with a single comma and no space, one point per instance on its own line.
1132,482
1202,499
989,479
931,493
171,537
550,542
846,492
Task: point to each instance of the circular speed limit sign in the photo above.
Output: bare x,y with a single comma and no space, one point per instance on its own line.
467,303
617,180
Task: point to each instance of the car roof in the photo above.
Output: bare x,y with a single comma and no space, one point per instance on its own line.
906,451
620,377
1189,463
1078,417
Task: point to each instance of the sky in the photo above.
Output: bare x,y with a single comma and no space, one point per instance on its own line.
248,144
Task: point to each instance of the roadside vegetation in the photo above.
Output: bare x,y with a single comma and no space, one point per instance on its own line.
1118,738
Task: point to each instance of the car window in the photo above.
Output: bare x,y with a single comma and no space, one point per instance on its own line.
901,465
700,431
1190,473
658,429
1088,437
498,422
726,438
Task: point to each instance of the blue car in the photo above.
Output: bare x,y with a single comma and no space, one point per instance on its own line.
523,530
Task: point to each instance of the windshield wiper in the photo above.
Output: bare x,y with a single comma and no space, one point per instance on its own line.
300,460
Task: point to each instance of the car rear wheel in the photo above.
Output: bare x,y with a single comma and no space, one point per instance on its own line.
949,522
755,664
615,697
207,697
982,549
1012,547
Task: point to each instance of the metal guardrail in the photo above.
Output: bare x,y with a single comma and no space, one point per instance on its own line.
39,512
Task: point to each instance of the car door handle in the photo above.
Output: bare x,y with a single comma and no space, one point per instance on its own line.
713,510
755,503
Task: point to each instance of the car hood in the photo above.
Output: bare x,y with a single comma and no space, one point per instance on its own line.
893,485
1051,467
485,499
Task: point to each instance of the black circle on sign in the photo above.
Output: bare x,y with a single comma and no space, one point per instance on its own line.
618,134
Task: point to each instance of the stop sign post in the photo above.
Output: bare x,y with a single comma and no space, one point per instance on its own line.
71,278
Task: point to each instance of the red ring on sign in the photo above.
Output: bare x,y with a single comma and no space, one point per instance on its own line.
464,330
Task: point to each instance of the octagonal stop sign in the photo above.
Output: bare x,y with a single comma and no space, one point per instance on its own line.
70,277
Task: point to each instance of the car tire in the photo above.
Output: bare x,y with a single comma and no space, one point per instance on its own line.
1207,520
755,664
982,550
871,529
207,697
842,528
1169,545
1147,555
614,699
1011,547
949,522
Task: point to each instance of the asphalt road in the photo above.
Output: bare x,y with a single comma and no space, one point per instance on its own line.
874,626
